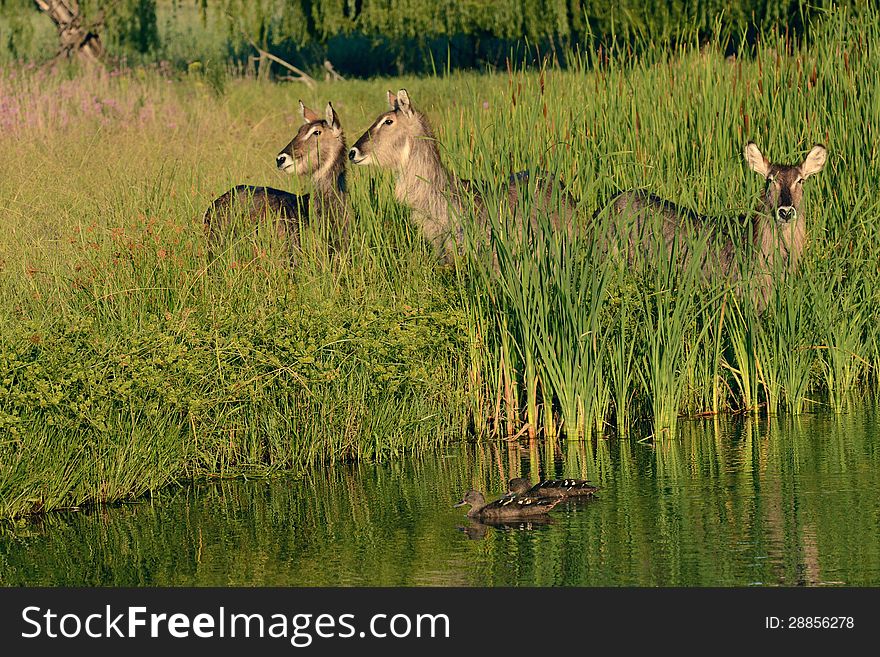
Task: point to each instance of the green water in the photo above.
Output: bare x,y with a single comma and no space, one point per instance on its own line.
784,501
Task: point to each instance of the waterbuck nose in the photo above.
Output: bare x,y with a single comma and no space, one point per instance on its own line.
282,160
786,213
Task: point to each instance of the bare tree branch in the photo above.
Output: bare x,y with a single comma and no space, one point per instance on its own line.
75,38
330,72
300,75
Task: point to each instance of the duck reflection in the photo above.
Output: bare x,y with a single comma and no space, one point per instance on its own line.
476,530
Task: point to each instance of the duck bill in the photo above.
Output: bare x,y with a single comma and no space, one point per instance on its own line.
462,503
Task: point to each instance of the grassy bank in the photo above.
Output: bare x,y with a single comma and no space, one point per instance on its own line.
129,358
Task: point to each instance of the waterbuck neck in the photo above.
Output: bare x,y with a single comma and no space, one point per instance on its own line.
329,179
774,240
426,185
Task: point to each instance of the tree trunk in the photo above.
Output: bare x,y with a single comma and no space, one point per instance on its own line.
76,39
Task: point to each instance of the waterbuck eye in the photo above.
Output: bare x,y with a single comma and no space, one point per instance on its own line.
388,122
316,133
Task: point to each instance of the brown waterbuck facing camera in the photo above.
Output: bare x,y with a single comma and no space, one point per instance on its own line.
402,140
317,151
775,233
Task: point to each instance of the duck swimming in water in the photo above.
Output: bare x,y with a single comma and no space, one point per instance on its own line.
508,507
551,488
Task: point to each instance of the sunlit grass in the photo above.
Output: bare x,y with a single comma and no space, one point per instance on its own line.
116,324
666,343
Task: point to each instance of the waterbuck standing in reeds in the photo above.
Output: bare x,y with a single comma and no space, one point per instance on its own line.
317,151
775,233
402,140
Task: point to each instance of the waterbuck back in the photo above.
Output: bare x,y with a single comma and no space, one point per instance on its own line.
403,140
760,245
318,152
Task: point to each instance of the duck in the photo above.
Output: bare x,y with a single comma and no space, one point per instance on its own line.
509,507
555,488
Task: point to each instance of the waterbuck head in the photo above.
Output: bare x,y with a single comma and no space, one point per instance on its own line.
389,142
784,191
318,149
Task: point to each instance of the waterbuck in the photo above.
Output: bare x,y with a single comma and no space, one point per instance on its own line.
775,233
402,139
318,151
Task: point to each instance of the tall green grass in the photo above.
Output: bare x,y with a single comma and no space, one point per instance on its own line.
130,357
661,342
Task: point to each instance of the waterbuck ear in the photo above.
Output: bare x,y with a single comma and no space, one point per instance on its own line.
332,119
814,161
392,100
308,115
403,102
757,162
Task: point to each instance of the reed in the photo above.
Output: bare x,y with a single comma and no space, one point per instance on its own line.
665,344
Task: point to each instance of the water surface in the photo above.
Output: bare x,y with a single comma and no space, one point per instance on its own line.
736,502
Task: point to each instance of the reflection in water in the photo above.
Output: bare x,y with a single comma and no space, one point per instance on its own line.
730,502
477,530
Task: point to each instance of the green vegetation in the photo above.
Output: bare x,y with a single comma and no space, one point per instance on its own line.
571,343
130,358
385,37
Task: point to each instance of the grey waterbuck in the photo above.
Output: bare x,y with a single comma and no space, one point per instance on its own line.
775,234
402,139
317,151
